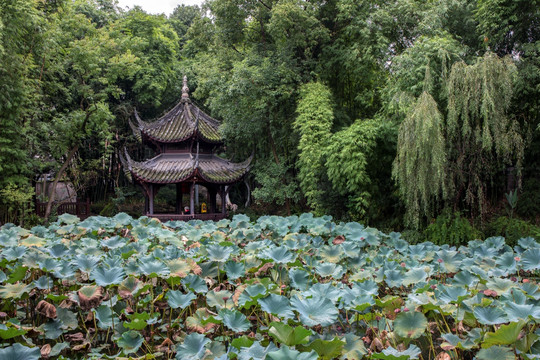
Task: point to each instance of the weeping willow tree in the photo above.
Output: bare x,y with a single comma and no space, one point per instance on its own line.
482,138
420,167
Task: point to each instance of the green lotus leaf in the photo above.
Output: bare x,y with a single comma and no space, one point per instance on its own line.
13,291
456,341
489,315
177,299
14,253
138,321
242,341
219,253
251,295
17,274
411,324
68,219
58,250
107,276
255,351
496,353
315,311
285,353
19,352
413,352
114,242
220,299
104,315
154,268
277,305
354,348
326,349
530,259
464,278
280,255
299,278
195,283
53,329
331,254
234,320
234,270
10,332
499,285
86,263
122,219
451,260
414,275
68,318
516,312
394,278
449,294
505,335
57,348
130,341
288,335
329,269
193,347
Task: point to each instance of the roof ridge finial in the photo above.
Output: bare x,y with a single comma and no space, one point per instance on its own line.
185,89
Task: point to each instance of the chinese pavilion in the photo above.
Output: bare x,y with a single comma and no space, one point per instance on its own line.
185,139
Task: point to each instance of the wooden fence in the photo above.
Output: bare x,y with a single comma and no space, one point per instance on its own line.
79,208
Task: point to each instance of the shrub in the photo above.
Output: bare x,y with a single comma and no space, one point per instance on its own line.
451,228
512,229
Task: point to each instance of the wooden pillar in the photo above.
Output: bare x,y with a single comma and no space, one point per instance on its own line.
151,207
179,198
146,204
223,201
212,199
192,199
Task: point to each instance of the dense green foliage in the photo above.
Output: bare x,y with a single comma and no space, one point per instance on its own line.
291,288
381,111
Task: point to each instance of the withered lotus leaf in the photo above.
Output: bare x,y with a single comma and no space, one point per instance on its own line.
90,296
46,309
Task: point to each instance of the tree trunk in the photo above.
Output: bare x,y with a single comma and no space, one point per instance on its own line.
52,190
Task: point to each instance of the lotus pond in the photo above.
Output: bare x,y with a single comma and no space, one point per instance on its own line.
278,288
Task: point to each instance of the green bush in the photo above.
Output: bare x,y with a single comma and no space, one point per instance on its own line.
451,228
512,229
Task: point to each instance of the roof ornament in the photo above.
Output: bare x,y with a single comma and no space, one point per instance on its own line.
185,89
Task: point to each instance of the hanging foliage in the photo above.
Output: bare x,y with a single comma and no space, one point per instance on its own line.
314,124
420,167
482,138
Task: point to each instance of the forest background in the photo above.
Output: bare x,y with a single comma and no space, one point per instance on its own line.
407,115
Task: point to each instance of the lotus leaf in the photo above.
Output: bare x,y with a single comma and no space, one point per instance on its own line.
490,315
234,320
255,351
198,322
505,335
326,349
530,259
68,318
13,291
177,299
138,321
219,253
277,305
154,268
107,276
354,348
413,352
329,269
299,278
516,312
220,299
496,353
285,353
53,329
195,283
193,347
105,316
19,352
10,332
315,311
130,341
410,324
234,270
280,255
